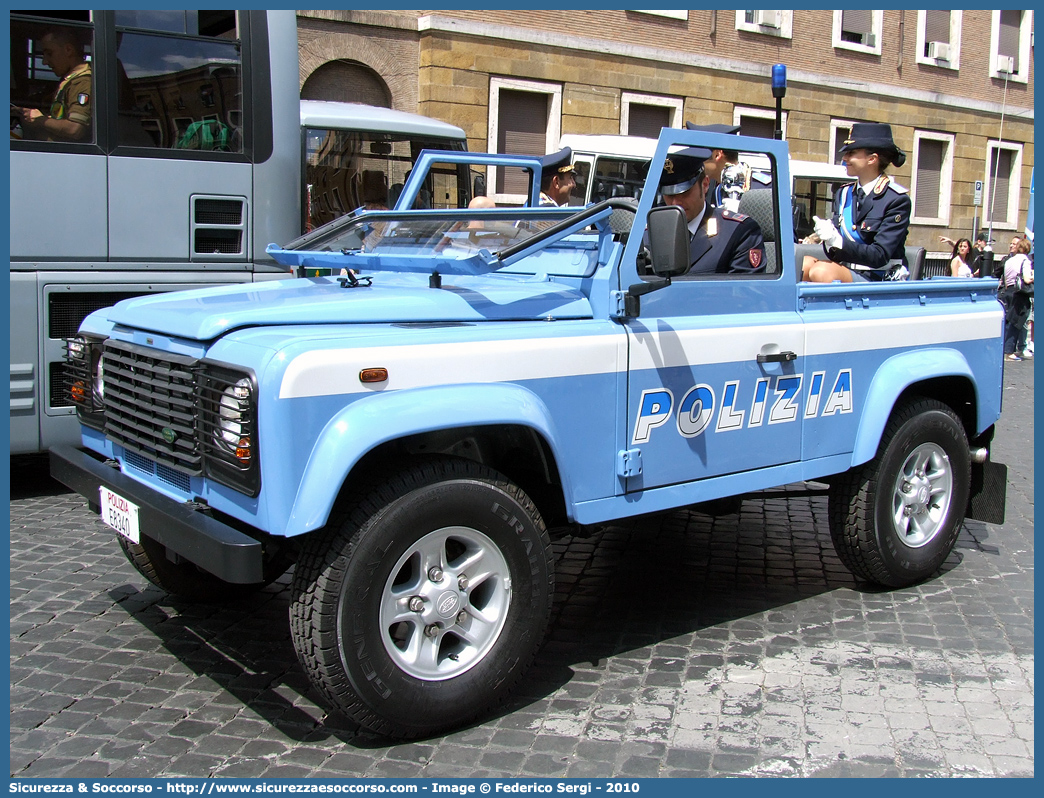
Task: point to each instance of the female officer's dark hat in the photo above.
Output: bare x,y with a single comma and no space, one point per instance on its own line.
682,170
873,136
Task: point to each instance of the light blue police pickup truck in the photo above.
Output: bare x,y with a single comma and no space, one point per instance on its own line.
441,391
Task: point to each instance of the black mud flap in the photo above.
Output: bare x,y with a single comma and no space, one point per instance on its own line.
989,488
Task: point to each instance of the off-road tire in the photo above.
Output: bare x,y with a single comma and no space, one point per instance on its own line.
350,576
867,503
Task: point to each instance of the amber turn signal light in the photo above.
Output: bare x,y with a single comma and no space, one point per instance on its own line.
373,375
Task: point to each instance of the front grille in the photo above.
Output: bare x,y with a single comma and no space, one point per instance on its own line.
150,404
176,416
151,468
66,311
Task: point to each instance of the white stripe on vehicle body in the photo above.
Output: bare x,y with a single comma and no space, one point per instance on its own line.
336,371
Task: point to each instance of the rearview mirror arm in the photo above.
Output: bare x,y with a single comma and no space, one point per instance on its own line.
632,299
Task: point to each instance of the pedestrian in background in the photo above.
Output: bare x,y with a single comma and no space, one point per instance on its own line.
1016,296
960,263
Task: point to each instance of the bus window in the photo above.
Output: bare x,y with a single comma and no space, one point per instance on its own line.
179,76
52,86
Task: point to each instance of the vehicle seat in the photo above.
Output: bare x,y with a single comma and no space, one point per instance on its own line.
915,262
374,187
757,204
621,220
801,250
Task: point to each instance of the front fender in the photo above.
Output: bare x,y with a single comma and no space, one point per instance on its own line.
383,417
893,377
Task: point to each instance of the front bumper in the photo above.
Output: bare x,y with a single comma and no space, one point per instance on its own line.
212,545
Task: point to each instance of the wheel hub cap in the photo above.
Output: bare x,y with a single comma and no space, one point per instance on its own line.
445,603
922,495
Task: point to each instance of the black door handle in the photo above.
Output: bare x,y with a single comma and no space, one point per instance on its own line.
777,357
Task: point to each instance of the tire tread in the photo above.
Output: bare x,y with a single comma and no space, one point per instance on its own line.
852,510
324,560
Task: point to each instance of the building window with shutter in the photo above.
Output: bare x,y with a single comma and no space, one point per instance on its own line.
840,129
932,182
1003,184
760,122
769,23
859,31
939,38
1010,45
525,118
646,114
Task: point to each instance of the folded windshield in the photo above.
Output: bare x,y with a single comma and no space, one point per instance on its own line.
434,237
563,241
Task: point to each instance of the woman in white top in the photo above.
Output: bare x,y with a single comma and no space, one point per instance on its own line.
1016,302
961,256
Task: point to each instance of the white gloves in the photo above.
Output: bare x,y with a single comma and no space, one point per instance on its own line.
827,233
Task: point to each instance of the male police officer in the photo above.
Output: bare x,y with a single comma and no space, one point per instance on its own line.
556,178
721,241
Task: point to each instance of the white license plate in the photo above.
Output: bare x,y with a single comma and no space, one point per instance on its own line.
120,514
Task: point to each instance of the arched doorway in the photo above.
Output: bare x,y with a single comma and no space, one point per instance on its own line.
347,81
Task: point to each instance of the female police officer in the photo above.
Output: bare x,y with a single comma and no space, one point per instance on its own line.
866,239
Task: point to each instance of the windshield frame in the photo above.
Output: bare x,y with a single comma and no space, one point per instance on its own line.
568,231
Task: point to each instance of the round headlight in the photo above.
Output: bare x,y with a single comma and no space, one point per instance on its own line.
76,347
231,407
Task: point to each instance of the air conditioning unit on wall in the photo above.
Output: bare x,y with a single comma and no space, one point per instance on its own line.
940,51
769,19
1006,63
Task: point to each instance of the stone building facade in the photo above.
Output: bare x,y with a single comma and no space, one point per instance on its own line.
956,86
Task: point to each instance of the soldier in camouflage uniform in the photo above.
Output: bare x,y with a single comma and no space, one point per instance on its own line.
69,116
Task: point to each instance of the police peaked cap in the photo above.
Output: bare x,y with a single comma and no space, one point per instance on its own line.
557,162
874,136
716,128
682,170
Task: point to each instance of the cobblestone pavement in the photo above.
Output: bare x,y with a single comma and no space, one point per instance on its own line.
682,645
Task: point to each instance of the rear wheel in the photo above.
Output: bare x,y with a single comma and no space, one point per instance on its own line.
419,607
896,519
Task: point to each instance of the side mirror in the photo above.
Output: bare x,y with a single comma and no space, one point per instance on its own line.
668,241
478,186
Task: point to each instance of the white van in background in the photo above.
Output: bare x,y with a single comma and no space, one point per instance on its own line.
614,166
